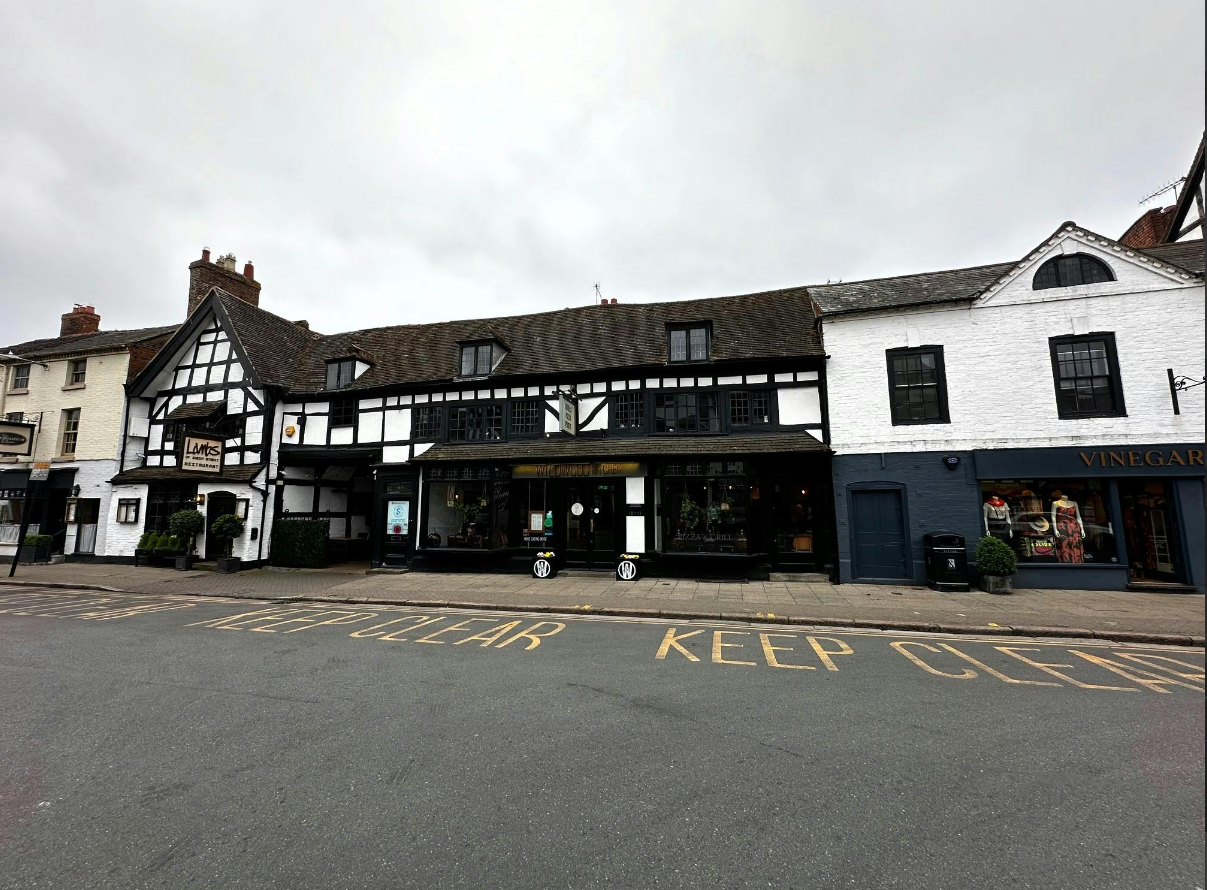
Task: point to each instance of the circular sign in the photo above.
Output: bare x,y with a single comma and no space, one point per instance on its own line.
542,568
398,529
597,509
577,509
290,430
626,570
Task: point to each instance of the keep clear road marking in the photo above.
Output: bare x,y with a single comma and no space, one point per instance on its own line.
44,603
1054,665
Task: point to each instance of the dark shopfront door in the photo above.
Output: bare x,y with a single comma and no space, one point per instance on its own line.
1151,531
592,535
878,534
393,535
219,503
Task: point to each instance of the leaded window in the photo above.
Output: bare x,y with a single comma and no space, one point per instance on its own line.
428,422
917,385
686,412
749,407
475,423
527,417
341,373
476,360
1067,271
1086,374
628,411
343,411
688,343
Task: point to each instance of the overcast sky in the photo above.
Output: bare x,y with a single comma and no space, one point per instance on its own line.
396,162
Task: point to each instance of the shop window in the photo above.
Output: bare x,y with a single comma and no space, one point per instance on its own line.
20,379
12,508
1150,530
793,510
341,373
477,359
628,411
917,385
705,513
70,435
458,515
475,423
428,422
683,412
1086,373
687,343
127,509
164,499
527,417
1067,271
532,513
343,411
1051,521
749,407
77,372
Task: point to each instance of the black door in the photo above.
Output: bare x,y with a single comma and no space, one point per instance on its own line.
1151,531
220,503
592,535
878,532
396,524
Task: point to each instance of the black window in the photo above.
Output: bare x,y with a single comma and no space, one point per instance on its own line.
917,385
429,422
527,417
476,360
14,417
749,407
165,499
341,373
20,377
170,432
475,423
684,412
688,343
127,509
628,411
1066,271
1086,372
343,411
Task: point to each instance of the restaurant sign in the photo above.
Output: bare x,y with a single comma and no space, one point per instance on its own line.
575,471
16,439
201,455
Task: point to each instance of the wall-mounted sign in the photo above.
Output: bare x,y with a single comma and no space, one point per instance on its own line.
567,414
398,517
16,439
1102,462
201,455
40,472
291,431
569,471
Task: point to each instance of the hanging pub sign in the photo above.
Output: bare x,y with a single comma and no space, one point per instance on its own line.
567,414
201,455
16,439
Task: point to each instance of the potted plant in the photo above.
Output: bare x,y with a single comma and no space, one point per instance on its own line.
995,563
185,525
36,549
226,529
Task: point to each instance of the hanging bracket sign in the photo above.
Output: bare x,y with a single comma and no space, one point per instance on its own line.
16,439
567,414
201,455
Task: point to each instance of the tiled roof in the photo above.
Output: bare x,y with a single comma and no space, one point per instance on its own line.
173,474
106,341
1149,229
774,324
192,410
273,344
565,447
1187,254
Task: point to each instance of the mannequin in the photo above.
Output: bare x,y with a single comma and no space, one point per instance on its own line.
1070,531
997,517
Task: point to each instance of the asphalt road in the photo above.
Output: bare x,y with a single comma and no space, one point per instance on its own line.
176,742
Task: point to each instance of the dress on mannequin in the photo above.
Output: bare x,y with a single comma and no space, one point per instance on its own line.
1070,531
997,518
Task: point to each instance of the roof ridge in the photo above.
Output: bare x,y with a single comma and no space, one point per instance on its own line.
910,275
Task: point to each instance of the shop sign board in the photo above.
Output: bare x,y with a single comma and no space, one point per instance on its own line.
567,414
1102,461
16,439
201,455
398,517
40,471
574,471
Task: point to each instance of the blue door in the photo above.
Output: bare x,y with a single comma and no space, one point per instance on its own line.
878,527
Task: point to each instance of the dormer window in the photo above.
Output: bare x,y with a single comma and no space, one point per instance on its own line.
341,373
477,359
687,343
1067,271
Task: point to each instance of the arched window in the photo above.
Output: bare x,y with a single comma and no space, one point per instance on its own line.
1066,271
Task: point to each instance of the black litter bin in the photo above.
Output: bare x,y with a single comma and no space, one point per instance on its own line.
946,561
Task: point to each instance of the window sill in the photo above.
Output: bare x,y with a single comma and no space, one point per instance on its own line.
921,422
19,392
64,457
68,386
1092,416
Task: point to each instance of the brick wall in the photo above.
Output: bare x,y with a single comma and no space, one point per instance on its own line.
204,276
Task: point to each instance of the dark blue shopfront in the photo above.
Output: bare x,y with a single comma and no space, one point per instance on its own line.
1099,518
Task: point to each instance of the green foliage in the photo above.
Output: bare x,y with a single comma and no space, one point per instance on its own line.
186,524
144,541
299,543
38,540
994,557
226,528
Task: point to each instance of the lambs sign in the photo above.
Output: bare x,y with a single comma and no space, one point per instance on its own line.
201,455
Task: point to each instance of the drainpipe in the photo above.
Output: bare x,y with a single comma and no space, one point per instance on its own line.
271,428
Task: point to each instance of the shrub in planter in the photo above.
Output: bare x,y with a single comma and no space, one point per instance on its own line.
36,548
299,543
186,525
226,529
995,563
143,541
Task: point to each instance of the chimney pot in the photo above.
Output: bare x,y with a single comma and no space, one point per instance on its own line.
249,271
205,254
603,302
80,320
613,301
222,273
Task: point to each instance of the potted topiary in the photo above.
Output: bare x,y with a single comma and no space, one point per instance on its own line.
36,548
226,529
185,526
995,563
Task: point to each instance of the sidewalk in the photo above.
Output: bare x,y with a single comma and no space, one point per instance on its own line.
1123,615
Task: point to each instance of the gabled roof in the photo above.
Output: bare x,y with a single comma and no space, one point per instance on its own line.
101,341
773,324
965,285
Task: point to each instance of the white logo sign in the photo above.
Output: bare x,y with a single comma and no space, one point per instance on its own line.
398,517
542,568
576,509
16,438
626,570
201,455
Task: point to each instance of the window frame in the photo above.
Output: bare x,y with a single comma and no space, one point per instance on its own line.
14,386
539,428
486,408
1056,263
128,508
941,384
346,415
437,411
69,416
750,393
475,347
640,397
337,364
1116,383
686,328
77,367
696,394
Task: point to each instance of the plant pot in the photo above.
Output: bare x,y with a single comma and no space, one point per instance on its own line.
185,563
37,553
997,583
228,565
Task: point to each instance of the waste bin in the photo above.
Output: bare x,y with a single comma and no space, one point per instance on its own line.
946,561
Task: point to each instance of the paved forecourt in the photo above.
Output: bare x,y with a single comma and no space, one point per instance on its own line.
162,740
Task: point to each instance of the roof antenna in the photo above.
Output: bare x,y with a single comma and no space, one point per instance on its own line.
598,295
1163,189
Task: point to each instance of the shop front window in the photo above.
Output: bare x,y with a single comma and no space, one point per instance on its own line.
1050,520
468,514
705,506
11,511
533,513
793,517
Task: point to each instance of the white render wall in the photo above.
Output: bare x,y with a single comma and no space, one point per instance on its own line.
1000,389
121,538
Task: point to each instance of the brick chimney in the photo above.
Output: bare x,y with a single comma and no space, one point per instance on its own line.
80,320
205,275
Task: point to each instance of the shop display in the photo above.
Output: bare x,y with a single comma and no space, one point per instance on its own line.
997,518
1051,521
1070,531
